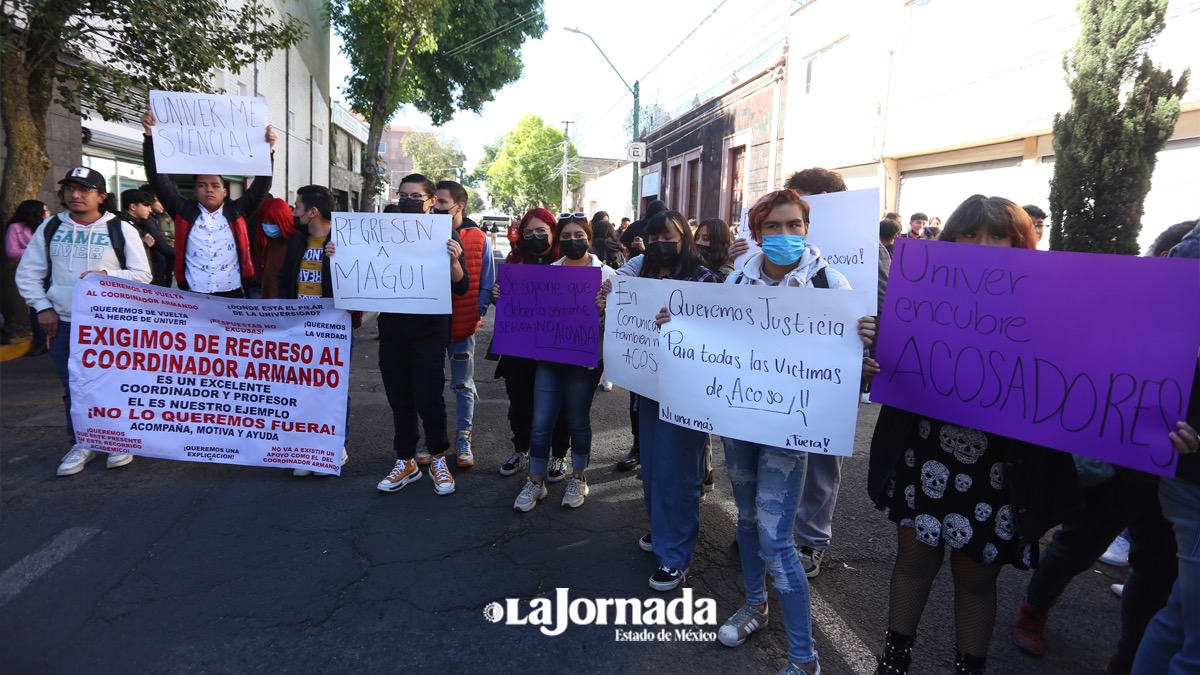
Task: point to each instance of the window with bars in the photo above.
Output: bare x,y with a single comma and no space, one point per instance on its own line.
737,173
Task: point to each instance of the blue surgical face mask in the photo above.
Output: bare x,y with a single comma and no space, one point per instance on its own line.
271,230
783,249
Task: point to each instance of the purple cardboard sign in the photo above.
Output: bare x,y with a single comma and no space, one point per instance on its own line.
1085,353
548,312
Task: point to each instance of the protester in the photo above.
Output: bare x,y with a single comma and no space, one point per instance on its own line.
136,209
889,230
624,226
304,271
86,238
637,229
562,386
604,242
1038,216
165,224
1172,641
276,229
19,230
916,225
536,245
924,474
767,481
450,199
713,240
212,237
1170,237
672,456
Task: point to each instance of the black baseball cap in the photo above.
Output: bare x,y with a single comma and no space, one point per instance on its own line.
86,177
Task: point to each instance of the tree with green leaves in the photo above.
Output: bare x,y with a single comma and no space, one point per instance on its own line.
433,155
478,175
103,56
527,171
1105,148
438,56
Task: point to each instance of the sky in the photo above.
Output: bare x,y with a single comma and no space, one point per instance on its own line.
566,78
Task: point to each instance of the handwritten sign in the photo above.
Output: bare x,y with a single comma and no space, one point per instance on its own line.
844,226
391,262
1083,353
778,366
548,312
210,133
631,338
184,376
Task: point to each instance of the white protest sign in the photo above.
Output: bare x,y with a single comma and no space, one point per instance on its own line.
743,233
844,226
210,133
176,375
777,366
631,338
391,262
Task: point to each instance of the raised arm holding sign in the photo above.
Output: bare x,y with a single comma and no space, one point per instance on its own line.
211,133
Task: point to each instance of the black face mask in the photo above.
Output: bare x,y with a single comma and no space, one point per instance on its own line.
412,206
538,245
441,212
573,248
664,253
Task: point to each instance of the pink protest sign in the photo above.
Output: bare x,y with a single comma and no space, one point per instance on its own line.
1085,353
548,312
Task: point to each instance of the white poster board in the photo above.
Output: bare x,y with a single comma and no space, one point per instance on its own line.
777,366
391,262
175,375
844,226
631,338
210,133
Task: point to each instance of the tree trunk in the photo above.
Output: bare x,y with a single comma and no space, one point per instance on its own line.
377,122
26,100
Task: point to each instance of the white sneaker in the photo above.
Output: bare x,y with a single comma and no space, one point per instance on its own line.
117,459
577,492
747,621
606,385
1117,589
302,472
1117,554
530,495
74,460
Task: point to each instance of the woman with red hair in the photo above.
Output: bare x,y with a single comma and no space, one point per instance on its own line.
535,245
270,247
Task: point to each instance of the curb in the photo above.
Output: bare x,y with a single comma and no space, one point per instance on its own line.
16,350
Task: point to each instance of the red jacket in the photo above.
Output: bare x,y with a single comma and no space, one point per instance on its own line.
465,319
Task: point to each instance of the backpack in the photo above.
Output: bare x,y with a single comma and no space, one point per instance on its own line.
116,237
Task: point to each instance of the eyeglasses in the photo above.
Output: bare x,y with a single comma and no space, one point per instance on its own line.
577,214
78,189
415,195
539,233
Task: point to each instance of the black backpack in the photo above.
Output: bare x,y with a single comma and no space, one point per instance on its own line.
116,237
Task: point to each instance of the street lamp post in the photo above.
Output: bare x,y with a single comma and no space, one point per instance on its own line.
635,89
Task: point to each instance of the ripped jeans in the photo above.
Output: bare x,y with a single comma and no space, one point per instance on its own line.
462,382
767,483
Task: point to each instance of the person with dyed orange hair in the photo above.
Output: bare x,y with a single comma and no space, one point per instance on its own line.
276,226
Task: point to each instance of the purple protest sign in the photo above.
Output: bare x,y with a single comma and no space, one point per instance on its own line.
1085,353
548,312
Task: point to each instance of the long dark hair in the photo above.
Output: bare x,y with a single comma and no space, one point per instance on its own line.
31,212
995,215
689,258
718,243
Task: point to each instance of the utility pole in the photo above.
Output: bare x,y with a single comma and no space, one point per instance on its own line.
636,132
566,165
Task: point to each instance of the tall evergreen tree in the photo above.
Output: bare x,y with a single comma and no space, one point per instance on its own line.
1105,148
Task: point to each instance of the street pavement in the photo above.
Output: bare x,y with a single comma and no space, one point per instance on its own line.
185,567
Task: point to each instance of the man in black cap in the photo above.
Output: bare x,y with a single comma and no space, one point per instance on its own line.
85,239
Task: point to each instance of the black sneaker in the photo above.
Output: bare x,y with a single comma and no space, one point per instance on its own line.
709,483
810,559
645,544
557,470
518,461
667,578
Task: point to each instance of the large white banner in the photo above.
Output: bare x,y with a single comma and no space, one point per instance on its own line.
210,133
631,343
391,262
778,366
176,375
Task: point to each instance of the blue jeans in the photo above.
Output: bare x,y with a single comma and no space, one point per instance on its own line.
60,354
672,471
462,381
767,486
1171,644
556,385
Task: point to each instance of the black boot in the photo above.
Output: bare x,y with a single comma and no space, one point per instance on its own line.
969,664
897,654
630,461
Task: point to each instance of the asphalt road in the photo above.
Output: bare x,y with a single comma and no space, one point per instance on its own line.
170,566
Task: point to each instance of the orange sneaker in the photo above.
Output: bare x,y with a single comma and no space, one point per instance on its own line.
443,482
405,472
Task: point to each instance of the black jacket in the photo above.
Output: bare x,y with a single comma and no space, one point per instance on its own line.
1043,482
411,326
161,255
290,272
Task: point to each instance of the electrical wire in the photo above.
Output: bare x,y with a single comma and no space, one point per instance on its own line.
495,32
685,38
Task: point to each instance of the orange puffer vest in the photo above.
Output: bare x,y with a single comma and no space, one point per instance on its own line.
465,319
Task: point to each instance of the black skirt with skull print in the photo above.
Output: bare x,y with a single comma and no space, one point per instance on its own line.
949,486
